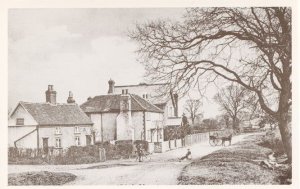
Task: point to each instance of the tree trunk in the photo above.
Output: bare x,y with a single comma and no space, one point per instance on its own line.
286,136
283,120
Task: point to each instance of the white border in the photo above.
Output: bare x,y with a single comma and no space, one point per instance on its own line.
7,4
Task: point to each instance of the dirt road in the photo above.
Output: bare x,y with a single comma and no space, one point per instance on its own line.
161,169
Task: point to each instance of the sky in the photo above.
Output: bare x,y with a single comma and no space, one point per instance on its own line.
76,50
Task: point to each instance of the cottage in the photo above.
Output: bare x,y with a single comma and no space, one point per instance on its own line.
124,117
49,124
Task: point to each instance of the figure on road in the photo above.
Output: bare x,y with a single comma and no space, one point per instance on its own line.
139,151
187,155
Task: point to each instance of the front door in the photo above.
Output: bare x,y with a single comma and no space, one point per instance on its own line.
45,145
88,139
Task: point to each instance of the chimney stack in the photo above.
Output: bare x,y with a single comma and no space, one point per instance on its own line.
70,99
51,95
111,89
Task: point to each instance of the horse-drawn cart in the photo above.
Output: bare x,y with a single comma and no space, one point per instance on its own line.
216,139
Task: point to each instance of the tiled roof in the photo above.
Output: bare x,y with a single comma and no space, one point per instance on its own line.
58,114
111,103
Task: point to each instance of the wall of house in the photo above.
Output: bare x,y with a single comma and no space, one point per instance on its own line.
154,125
67,135
108,121
138,125
15,133
20,112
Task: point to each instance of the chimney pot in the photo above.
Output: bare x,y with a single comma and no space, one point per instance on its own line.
51,95
111,89
70,99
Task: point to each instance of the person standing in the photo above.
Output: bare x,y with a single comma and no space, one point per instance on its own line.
139,151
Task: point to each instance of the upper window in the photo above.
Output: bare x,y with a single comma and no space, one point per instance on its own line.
124,91
20,121
145,96
77,129
57,130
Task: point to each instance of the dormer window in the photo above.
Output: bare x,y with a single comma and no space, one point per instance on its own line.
77,129
57,130
124,91
20,121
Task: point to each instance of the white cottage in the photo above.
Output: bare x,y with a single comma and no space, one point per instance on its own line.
124,117
49,124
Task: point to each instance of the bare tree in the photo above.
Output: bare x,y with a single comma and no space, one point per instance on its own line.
248,46
192,106
234,101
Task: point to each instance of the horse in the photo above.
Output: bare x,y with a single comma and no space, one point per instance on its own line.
224,139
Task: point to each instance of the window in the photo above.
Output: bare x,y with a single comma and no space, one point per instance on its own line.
77,129
57,130
124,91
170,111
20,121
58,142
77,141
145,96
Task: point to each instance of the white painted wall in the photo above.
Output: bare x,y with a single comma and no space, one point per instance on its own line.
67,135
20,112
108,122
14,133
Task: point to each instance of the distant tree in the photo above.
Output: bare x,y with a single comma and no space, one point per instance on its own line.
192,107
210,124
234,100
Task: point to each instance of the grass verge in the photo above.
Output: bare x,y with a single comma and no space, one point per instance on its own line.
238,165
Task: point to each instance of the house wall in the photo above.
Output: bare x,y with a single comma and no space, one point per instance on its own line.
20,112
108,123
138,125
154,125
67,135
15,133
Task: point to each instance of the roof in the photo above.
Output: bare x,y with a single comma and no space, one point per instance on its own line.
58,114
140,84
111,103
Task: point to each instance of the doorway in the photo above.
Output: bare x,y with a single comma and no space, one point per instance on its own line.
88,139
45,145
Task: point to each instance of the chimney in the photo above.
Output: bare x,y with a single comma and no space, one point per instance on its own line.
176,105
70,99
111,89
125,103
51,95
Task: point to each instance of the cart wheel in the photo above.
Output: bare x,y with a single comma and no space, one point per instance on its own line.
212,142
217,142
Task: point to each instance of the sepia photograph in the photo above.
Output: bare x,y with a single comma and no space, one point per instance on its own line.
149,96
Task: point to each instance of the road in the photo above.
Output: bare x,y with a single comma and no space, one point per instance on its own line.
161,169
